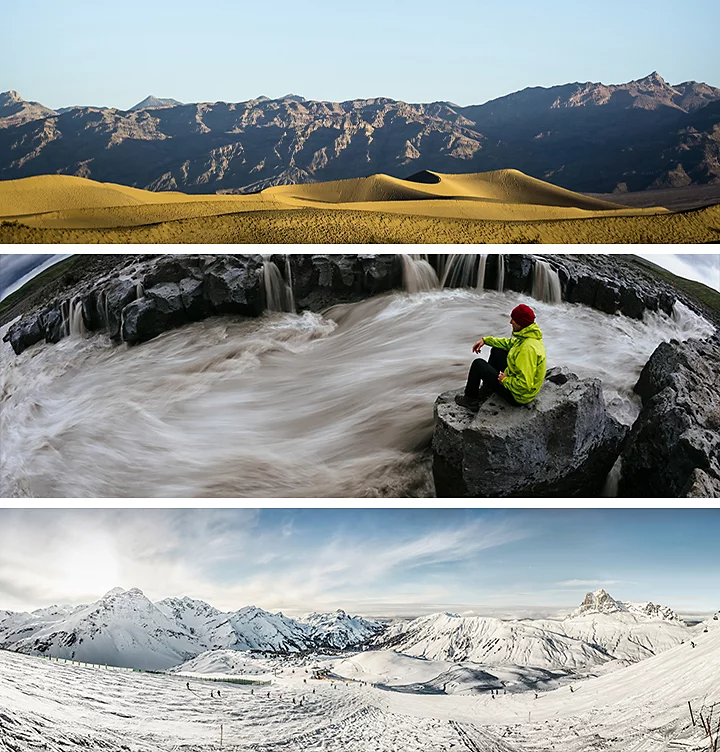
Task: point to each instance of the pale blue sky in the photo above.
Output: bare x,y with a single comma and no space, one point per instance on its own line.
94,52
369,561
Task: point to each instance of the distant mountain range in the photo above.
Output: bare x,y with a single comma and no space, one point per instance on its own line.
124,628
582,136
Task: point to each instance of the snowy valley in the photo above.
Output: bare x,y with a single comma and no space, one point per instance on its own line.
610,675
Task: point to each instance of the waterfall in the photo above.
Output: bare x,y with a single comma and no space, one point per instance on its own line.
278,294
482,261
418,275
610,488
501,273
139,290
460,270
546,283
76,324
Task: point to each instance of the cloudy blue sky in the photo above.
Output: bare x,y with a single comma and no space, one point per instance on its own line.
86,52
377,562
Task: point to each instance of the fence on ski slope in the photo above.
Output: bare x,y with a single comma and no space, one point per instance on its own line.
108,667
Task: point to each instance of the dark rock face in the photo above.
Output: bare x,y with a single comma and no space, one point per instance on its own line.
674,446
144,299
561,444
320,280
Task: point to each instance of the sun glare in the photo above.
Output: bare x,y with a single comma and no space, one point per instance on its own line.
89,569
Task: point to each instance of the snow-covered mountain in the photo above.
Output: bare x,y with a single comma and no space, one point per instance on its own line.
339,630
600,630
124,628
493,642
601,602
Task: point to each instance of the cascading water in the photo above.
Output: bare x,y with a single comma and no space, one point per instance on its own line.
287,405
546,283
460,270
279,296
418,275
482,263
501,273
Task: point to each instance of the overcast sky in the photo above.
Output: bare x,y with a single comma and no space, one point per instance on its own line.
377,562
87,52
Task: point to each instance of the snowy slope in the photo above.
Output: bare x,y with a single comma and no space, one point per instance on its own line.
492,642
600,630
224,663
193,615
642,708
123,628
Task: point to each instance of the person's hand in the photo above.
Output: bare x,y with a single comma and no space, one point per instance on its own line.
501,377
478,345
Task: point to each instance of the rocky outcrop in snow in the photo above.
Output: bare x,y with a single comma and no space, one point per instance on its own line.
562,444
674,446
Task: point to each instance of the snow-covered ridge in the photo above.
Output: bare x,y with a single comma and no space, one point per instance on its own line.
601,602
124,628
601,630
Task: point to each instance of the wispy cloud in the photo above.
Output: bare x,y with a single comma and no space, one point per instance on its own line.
590,583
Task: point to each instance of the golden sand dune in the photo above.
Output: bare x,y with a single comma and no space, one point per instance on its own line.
499,186
500,206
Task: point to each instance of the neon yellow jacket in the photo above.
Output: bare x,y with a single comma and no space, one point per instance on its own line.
527,362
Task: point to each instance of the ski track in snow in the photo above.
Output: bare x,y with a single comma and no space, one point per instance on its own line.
45,705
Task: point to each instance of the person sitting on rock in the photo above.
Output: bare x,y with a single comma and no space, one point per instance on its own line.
516,367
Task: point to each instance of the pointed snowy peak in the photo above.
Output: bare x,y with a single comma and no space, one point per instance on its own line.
653,610
154,103
339,630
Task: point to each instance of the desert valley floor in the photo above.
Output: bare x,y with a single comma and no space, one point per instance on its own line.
503,206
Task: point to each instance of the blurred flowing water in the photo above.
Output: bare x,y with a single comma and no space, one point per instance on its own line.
287,405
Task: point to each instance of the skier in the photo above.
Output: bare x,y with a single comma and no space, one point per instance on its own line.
516,366
187,684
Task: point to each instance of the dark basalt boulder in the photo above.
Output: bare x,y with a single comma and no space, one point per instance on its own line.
674,447
562,444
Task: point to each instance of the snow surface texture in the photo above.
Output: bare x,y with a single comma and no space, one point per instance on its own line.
124,628
640,708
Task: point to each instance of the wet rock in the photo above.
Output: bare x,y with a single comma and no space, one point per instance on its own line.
233,284
53,325
25,333
112,300
322,280
562,444
674,446
160,309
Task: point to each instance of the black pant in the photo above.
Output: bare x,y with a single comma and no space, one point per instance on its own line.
487,371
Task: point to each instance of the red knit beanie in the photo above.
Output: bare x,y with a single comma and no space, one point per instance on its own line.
523,315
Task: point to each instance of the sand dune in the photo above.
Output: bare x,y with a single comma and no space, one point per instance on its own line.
499,206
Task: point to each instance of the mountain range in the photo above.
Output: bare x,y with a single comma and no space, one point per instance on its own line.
581,136
125,628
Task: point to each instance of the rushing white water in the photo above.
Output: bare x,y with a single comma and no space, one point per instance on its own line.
286,405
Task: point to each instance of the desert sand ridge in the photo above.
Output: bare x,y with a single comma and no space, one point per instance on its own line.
498,206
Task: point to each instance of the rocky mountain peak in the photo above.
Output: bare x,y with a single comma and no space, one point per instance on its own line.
152,102
598,602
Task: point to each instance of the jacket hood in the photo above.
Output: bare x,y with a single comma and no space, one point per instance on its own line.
529,332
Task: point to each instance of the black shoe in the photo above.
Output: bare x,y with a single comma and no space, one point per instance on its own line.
468,402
